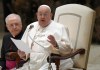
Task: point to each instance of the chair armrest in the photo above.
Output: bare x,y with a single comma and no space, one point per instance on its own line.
54,57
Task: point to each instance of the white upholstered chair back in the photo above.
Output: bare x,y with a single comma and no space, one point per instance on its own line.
80,21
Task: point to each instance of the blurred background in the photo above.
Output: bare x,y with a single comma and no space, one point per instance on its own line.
27,10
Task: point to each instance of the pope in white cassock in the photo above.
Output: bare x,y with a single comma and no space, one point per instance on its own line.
45,37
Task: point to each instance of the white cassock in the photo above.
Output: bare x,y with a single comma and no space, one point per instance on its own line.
36,38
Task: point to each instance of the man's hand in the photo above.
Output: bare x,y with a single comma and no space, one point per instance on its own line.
52,40
21,54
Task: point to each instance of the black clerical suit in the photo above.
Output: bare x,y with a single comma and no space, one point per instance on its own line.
8,46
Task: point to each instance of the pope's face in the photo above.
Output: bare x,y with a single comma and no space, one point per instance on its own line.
44,16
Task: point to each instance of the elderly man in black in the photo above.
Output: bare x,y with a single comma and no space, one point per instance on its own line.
14,26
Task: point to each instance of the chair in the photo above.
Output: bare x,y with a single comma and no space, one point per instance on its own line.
80,21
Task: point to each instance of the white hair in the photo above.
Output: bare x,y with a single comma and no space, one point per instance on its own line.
45,6
12,16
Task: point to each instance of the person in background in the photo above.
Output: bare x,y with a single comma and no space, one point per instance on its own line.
45,37
14,26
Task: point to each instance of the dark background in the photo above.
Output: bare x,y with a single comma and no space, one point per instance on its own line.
27,10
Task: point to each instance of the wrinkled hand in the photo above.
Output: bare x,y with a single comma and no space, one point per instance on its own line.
52,40
21,54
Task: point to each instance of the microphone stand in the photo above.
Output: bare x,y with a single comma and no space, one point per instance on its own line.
50,66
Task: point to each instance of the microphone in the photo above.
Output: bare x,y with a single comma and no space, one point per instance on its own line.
31,26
